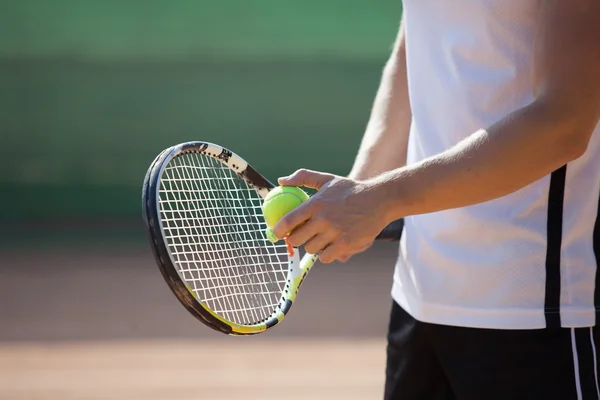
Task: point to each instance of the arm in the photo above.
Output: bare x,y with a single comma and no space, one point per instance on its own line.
384,144
346,214
527,144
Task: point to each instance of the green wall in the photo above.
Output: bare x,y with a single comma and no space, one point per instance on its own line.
184,29
91,91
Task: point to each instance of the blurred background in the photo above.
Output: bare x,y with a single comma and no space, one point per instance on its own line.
90,92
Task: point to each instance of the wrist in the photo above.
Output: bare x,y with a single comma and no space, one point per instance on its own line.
391,190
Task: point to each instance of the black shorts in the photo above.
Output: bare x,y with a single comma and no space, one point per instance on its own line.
428,361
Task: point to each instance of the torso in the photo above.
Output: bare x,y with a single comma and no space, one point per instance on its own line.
487,265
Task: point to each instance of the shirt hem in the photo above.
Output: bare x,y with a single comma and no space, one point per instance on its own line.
514,319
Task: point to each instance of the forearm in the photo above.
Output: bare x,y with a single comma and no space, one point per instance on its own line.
528,144
491,163
384,144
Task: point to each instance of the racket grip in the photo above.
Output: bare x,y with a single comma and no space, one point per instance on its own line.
392,232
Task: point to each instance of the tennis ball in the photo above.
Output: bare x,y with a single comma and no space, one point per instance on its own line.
279,202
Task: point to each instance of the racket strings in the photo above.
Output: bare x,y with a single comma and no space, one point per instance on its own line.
213,225
221,284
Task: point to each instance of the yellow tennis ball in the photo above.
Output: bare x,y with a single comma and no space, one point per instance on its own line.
281,201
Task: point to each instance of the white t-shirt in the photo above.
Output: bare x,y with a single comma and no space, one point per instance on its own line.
523,261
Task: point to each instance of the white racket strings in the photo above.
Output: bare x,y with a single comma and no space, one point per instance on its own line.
214,229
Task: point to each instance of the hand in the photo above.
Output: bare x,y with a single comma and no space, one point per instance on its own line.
341,220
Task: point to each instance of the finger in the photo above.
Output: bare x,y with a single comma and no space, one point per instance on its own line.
335,251
363,248
303,233
345,258
306,178
318,243
292,220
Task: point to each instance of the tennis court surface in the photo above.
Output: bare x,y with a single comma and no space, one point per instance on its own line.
85,323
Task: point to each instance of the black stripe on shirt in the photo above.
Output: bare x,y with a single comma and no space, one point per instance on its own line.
596,241
554,242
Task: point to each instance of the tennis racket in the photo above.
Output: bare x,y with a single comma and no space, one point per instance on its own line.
202,205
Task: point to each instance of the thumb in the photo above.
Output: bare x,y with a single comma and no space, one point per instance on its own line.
306,178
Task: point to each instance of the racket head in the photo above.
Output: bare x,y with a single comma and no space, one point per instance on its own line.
217,165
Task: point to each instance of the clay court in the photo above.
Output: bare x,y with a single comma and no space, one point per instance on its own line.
83,324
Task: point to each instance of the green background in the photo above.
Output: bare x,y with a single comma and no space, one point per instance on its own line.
91,91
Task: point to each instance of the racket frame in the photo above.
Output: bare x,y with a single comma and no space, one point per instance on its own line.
297,268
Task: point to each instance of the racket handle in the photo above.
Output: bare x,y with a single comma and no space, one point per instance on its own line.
392,232
308,261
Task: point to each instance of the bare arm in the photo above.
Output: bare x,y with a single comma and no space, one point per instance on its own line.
383,147
527,144
345,215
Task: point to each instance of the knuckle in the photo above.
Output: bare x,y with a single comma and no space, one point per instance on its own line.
315,204
336,229
345,241
294,241
320,219
301,172
326,219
